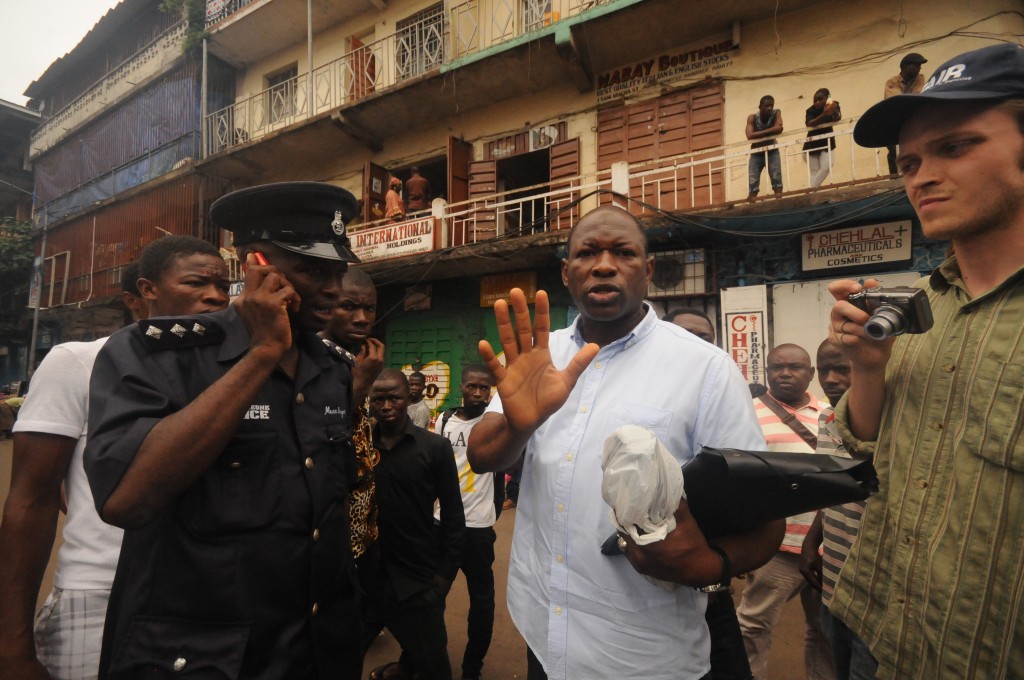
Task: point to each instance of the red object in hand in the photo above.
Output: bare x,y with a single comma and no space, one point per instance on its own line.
260,259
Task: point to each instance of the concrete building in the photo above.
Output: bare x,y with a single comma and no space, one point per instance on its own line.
522,115
16,125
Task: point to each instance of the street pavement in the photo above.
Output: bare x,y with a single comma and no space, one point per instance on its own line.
506,659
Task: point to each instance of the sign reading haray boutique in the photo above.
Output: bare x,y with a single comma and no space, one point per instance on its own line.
694,61
857,246
394,240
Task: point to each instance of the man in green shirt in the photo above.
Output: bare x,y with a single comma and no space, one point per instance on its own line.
935,583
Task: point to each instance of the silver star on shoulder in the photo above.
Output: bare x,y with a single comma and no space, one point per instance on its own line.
198,330
179,330
154,332
338,225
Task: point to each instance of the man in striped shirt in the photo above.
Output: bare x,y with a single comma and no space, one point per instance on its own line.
789,417
834,530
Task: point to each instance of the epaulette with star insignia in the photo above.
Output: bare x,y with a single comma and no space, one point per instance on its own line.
179,332
338,350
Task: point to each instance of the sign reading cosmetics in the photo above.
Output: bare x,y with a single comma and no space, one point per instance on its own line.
394,240
698,60
857,246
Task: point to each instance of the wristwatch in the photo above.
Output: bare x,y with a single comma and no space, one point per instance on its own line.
723,582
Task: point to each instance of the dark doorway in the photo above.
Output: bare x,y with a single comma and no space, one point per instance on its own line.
518,177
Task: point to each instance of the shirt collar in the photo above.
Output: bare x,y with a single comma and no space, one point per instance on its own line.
947,276
639,332
410,430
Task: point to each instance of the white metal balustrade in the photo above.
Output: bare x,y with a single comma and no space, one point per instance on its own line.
684,183
412,50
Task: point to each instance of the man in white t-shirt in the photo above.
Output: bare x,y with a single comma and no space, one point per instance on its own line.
481,513
176,275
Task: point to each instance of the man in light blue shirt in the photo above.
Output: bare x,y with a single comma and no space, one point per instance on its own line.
585,615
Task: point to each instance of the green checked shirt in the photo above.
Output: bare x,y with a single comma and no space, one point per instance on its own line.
935,582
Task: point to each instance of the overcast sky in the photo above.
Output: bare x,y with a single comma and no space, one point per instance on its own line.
34,33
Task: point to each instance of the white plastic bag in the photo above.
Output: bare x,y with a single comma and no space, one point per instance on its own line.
642,484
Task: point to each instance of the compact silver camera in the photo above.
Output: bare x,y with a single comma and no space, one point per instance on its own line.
894,311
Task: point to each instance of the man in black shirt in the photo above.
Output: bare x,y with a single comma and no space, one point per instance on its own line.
222,444
417,562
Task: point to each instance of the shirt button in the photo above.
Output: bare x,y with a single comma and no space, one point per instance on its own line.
924,484
949,368
558,610
300,398
559,559
584,409
316,534
597,364
309,463
938,426
179,663
316,608
561,507
901,599
569,457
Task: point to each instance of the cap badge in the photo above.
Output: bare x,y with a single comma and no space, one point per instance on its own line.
338,225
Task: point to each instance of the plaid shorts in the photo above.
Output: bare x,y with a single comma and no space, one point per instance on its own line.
69,632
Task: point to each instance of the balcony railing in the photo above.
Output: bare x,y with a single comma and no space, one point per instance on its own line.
118,82
689,182
383,64
218,10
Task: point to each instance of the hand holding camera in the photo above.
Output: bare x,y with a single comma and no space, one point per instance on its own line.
894,311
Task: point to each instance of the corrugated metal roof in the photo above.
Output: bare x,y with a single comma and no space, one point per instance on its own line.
107,26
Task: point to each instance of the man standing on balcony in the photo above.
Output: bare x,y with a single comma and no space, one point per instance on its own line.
907,81
417,190
764,126
394,206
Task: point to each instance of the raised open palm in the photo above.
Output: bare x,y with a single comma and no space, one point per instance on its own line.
530,387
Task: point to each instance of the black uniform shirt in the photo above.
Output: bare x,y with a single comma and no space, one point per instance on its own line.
249,571
410,476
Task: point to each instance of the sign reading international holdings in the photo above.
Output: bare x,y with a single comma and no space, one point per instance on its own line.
857,246
394,240
694,61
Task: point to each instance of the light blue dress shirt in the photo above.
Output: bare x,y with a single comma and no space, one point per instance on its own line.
586,615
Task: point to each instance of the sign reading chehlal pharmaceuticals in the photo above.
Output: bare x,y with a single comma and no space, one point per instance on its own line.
857,246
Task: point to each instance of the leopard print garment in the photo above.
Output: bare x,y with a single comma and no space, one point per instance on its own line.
363,497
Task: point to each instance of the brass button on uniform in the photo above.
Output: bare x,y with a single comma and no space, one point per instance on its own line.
235,465
179,663
300,398
316,608
309,463
316,534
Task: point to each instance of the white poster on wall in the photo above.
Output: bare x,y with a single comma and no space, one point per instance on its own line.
744,329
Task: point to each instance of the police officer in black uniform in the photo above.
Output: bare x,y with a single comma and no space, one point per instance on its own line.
222,444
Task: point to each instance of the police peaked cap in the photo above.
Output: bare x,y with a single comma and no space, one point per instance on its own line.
307,218
989,74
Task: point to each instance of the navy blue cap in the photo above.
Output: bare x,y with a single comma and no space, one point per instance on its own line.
991,73
308,218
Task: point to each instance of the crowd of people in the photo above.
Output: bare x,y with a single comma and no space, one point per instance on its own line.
249,495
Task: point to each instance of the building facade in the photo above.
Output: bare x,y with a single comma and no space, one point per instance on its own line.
522,115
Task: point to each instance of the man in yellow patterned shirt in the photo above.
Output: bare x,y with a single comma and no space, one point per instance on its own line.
935,582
